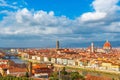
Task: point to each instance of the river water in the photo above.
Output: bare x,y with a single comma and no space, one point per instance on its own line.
18,61
15,59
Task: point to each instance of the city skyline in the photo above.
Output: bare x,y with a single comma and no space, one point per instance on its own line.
40,23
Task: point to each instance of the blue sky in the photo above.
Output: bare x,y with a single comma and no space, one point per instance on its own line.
39,23
71,9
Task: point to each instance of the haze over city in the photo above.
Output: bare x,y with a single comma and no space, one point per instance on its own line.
75,23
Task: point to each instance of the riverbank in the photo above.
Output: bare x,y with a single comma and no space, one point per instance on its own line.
110,74
93,70
80,68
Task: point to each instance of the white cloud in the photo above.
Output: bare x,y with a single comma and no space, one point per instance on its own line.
105,5
14,3
113,27
51,13
90,16
34,23
4,12
4,3
11,5
102,9
21,14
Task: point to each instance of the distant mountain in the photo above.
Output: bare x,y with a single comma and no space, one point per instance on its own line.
72,45
87,44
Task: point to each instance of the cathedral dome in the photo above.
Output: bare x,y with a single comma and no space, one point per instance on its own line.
107,45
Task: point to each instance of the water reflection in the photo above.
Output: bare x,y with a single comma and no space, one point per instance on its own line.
18,61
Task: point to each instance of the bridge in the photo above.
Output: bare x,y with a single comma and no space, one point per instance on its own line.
11,56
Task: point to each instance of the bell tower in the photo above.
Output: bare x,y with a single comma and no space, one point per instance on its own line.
57,44
92,48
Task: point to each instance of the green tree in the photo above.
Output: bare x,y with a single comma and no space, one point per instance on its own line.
26,74
54,76
76,76
14,78
63,71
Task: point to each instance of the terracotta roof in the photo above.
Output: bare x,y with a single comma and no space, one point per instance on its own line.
3,66
36,66
107,44
16,69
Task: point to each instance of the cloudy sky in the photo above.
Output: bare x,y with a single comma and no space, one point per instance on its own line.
39,23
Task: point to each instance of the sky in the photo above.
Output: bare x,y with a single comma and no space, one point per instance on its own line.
39,23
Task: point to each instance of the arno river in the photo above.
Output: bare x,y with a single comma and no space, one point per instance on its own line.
18,60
